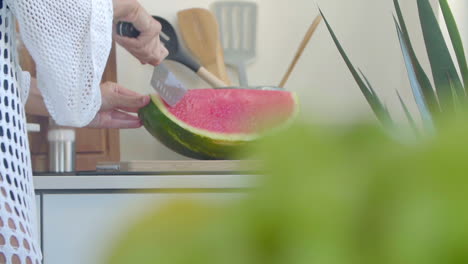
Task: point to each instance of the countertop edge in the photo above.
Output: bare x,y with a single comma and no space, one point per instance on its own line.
143,182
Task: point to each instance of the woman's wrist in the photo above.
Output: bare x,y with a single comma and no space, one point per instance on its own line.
126,10
147,48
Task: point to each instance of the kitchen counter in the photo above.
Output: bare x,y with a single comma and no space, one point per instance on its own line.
152,175
140,182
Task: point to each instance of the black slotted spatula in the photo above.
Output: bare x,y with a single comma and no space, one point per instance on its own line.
176,51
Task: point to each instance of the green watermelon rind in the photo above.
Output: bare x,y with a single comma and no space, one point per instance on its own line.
184,139
188,140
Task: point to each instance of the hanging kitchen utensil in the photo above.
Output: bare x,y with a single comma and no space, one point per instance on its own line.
200,31
238,27
163,81
176,50
301,48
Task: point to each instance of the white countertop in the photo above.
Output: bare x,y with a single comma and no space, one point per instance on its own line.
142,182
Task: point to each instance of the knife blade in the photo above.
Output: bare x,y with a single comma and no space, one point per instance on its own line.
163,81
168,86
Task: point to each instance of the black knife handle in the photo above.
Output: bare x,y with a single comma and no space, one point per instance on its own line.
127,29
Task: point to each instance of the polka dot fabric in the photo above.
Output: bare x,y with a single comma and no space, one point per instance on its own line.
70,41
18,234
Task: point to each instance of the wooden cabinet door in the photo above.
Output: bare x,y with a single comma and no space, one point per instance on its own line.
92,145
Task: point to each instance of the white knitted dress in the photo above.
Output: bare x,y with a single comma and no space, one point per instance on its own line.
70,41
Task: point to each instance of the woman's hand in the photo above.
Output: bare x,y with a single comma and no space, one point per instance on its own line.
117,104
147,48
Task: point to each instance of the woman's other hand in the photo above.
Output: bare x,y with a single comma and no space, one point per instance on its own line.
118,104
147,48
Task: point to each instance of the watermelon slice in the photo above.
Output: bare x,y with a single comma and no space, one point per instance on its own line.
215,123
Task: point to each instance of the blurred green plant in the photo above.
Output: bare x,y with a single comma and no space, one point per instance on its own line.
448,96
338,195
347,195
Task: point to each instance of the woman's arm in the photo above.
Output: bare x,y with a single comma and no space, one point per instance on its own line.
117,104
70,41
70,46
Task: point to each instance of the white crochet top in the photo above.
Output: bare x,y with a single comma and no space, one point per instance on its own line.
70,42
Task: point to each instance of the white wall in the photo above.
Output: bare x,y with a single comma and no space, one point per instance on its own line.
325,87
460,11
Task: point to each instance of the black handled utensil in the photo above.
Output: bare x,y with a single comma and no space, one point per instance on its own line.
176,51
163,81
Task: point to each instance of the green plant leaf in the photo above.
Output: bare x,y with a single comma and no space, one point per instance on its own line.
415,86
457,103
456,39
408,114
369,86
373,100
439,56
424,82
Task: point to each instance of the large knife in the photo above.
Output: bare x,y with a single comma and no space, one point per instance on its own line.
163,81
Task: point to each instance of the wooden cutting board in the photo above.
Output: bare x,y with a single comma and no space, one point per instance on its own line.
186,166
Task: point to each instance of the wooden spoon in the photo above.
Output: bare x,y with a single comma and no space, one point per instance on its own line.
200,31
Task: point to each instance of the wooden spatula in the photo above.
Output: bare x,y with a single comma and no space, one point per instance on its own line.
199,29
301,48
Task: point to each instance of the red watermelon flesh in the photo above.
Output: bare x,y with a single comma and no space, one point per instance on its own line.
234,111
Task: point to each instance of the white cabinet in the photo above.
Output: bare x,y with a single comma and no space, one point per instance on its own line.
80,228
81,216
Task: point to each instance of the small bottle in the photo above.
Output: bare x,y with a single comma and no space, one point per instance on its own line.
61,149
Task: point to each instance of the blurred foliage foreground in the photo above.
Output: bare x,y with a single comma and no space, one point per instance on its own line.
329,196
